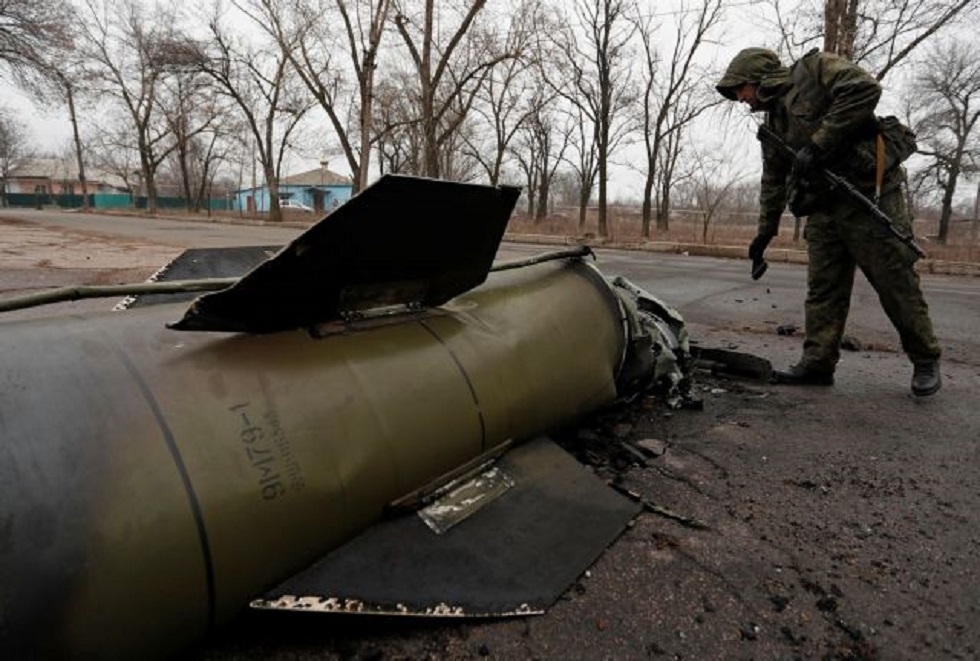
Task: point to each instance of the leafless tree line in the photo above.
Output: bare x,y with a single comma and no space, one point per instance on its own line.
544,94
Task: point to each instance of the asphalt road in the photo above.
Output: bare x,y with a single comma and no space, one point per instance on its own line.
718,293
165,231
713,292
808,523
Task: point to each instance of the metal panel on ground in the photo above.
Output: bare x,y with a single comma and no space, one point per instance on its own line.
515,556
199,263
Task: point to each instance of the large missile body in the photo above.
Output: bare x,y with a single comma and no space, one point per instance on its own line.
162,467
153,481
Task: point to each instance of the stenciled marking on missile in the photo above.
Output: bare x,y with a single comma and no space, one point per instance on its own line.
294,474
268,451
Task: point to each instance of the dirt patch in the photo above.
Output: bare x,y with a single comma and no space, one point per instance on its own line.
28,246
34,258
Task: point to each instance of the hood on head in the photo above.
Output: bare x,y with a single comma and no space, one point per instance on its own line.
751,65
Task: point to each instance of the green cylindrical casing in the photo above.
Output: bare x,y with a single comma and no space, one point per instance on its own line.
153,481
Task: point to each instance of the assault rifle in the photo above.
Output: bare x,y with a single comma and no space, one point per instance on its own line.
767,135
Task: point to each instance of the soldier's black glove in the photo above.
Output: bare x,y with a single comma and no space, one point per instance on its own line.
807,161
757,248
757,251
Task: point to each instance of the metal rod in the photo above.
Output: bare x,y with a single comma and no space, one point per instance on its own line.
78,292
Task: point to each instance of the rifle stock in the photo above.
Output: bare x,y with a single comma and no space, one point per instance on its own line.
767,135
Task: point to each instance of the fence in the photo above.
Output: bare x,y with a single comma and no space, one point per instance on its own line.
103,201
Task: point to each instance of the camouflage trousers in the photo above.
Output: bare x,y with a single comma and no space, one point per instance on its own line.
842,237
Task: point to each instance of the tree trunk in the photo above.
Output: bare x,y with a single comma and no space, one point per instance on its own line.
185,176
603,170
976,217
946,211
272,183
840,27
663,209
583,207
543,203
78,146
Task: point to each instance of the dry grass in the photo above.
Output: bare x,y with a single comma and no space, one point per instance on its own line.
686,227
625,227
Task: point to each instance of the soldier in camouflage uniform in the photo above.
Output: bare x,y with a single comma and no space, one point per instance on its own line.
823,107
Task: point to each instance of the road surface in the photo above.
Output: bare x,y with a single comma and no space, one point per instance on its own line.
786,523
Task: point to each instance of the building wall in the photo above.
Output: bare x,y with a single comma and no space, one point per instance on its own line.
258,199
48,186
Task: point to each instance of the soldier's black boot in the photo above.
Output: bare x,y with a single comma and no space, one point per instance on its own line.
800,375
925,377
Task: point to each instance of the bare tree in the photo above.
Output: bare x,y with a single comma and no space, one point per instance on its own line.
948,110
502,111
583,158
595,76
35,42
196,118
66,85
28,29
456,161
877,34
540,150
712,183
15,149
840,27
880,34
975,221
63,78
507,100
132,50
743,199
259,83
399,145
113,150
449,70
673,98
792,27
338,67
196,163
553,131
525,158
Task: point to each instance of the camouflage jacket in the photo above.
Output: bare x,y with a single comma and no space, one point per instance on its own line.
825,100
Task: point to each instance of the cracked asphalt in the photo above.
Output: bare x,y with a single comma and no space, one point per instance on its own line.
781,523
